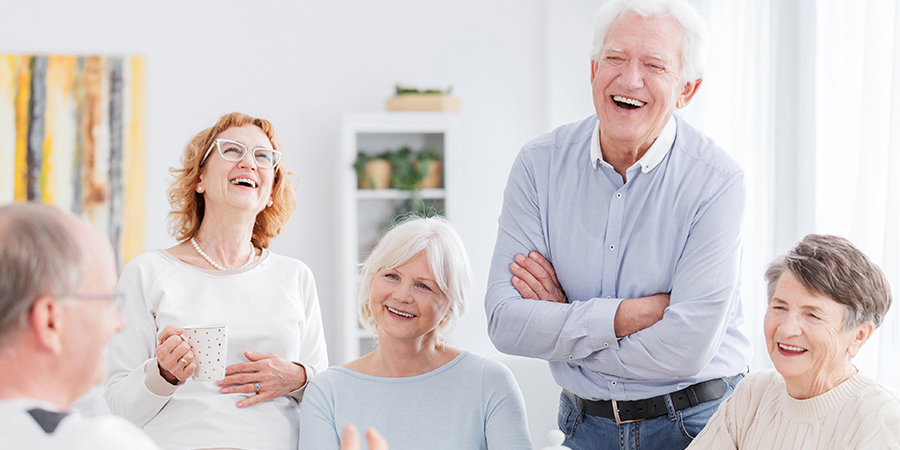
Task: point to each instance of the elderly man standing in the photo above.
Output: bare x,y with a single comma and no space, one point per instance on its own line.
637,305
57,311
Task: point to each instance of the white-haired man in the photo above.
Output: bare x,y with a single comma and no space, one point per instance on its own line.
57,311
636,305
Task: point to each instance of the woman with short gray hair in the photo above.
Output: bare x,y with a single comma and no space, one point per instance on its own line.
825,300
414,388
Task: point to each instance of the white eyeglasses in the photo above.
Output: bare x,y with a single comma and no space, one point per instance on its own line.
118,298
265,158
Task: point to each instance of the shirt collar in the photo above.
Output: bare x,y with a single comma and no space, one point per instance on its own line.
654,154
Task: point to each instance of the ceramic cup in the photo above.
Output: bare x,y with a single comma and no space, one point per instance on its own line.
210,347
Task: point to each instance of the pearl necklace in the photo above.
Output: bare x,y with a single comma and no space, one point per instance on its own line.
215,264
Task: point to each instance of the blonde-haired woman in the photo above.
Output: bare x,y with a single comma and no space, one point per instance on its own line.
414,388
229,198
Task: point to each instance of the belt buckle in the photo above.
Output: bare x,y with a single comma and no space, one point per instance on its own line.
615,408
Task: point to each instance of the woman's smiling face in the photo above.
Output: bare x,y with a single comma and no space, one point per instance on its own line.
407,303
238,184
806,340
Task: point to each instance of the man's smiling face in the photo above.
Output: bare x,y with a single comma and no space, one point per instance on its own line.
636,80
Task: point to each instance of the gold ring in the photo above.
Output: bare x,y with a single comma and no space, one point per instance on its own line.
256,385
185,362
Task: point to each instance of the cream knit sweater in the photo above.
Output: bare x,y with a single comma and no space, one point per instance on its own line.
857,414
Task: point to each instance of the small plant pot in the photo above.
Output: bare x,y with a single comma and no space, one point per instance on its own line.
377,175
433,179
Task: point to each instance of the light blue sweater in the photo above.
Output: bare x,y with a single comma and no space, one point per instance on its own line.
469,403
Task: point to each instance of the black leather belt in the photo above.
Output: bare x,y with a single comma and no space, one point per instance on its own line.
648,408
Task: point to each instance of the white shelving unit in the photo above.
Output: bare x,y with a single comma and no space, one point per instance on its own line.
363,213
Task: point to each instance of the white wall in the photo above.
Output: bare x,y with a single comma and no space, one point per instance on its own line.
570,33
301,64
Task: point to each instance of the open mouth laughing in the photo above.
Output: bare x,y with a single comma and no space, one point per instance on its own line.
626,102
243,181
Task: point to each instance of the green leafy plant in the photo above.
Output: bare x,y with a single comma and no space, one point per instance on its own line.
427,154
359,165
405,174
411,90
413,206
423,161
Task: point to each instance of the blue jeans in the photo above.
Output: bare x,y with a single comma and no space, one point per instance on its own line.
670,432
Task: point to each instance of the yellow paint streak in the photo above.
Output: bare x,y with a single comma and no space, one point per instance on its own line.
60,79
23,82
133,203
46,172
7,127
53,83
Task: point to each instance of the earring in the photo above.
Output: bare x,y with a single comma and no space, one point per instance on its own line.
199,189
270,202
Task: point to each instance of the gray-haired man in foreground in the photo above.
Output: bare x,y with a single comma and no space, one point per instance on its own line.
57,311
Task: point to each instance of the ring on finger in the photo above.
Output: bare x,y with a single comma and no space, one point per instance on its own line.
256,385
185,362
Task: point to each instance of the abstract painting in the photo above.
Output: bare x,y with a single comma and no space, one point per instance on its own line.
72,134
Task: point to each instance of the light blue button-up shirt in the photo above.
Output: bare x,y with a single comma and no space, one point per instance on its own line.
673,227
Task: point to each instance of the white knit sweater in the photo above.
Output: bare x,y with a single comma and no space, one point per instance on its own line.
857,414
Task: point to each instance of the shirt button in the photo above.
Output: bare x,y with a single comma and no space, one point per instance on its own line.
612,247
605,344
618,195
571,357
614,383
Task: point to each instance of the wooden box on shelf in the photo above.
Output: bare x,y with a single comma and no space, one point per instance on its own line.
423,102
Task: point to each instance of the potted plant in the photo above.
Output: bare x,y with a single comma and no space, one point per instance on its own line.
372,171
429,164
405,173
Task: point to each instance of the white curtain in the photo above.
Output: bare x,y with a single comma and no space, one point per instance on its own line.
733,107
806,95
857,164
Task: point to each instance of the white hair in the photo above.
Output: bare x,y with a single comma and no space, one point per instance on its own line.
695,43
446,257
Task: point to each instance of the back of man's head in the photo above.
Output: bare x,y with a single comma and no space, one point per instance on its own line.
57,312
39,255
